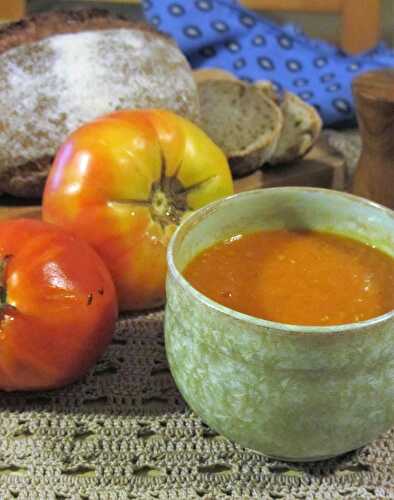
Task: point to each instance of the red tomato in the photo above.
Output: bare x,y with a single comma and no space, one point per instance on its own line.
58,306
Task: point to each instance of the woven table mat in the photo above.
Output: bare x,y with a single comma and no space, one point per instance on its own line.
125,432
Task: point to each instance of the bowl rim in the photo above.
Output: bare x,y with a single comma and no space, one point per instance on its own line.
202,213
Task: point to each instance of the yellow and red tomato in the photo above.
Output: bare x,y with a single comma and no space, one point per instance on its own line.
58,306
124,182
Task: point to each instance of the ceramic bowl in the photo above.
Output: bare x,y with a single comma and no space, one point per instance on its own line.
296,393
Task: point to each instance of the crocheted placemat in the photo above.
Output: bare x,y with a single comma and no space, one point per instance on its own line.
125,432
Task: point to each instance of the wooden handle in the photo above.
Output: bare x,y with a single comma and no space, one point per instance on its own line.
374,97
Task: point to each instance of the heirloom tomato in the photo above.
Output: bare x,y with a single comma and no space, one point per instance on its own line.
124,182
58,306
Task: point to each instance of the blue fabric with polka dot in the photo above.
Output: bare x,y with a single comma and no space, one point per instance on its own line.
222,34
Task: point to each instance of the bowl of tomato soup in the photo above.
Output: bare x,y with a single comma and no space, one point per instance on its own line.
279,325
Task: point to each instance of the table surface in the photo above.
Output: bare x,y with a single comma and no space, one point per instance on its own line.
125,432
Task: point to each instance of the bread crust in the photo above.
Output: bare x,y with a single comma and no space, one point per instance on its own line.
39,26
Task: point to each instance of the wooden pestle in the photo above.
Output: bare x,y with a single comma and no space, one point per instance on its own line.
374,98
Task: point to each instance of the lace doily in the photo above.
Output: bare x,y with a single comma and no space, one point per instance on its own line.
124,432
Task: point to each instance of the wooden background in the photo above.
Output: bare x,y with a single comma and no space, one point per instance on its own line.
360,20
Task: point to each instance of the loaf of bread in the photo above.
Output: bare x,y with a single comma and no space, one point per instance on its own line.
60,70
241,120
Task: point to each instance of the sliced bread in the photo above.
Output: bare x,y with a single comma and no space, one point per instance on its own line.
301,129
201,75
266,87
241,120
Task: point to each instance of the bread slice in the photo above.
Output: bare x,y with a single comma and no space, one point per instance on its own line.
301,129
201,75
60,70
266,87
241,120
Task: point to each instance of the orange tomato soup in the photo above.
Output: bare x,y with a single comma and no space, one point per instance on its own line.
304,278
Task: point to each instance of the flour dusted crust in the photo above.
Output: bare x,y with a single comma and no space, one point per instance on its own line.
50,86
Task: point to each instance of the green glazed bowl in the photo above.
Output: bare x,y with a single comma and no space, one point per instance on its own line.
291,392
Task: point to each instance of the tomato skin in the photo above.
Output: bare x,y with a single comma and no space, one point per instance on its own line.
60,309
123,182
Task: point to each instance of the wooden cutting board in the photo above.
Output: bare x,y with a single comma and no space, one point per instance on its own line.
322,167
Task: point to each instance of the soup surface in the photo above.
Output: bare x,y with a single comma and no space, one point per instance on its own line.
305,278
